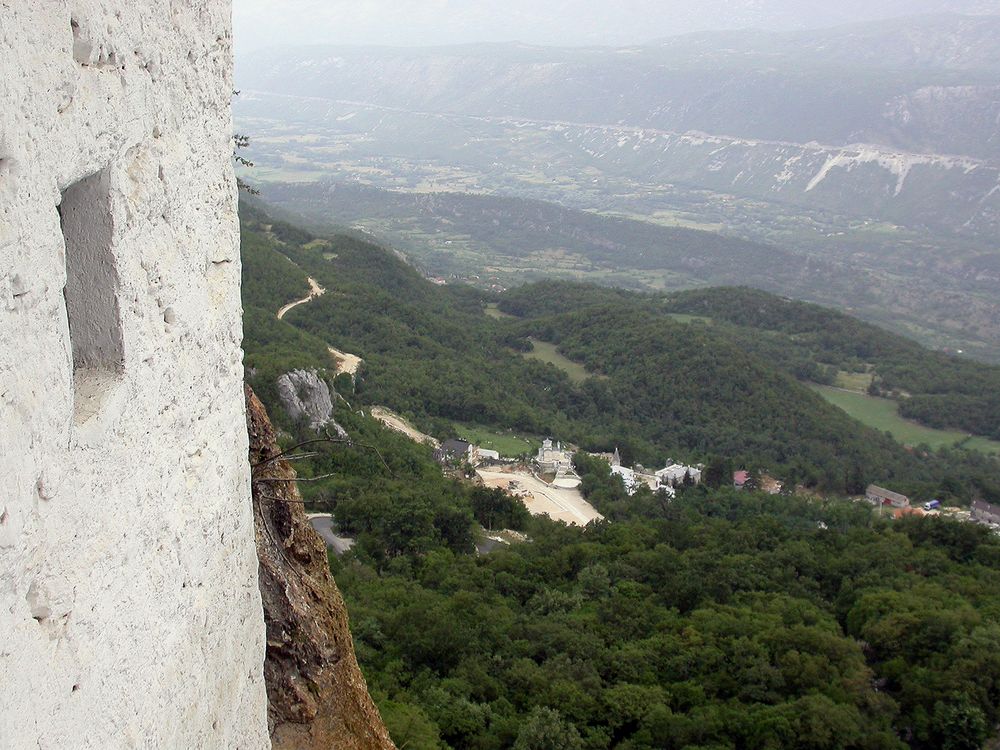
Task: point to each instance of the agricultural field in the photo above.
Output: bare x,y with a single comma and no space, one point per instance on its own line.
685,318
545,352
507,444
883,414
493,310
859,382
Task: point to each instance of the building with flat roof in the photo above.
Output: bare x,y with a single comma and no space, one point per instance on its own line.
675,474
880,496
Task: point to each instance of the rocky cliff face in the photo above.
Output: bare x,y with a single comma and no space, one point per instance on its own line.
307,398
317,696
129,609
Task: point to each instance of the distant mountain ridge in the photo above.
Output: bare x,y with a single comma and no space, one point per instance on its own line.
837,87
896,121
870,146
583,22
935,41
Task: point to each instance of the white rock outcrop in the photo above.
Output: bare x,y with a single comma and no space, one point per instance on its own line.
129,609
307,398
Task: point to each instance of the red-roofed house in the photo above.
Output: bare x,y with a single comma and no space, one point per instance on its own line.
740,478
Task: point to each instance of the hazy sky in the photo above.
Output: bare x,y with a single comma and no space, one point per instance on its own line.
261,23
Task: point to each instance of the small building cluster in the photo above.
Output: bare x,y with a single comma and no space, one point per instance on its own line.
985,513
633,480
463,452
743,479
670,477
454,451
982,512
676,475
552,458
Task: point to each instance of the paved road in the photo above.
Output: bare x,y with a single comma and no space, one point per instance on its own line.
324,527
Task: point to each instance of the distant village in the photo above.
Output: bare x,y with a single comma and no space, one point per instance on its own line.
550,485
667,479
554,463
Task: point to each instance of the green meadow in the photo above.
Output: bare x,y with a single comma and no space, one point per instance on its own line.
883,414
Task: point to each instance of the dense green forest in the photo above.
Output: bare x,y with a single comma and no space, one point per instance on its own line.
661,387
716,620
719,621
940,390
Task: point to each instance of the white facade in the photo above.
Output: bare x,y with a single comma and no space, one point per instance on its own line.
628,477
552,458
130,614
675,474
879,496
634,480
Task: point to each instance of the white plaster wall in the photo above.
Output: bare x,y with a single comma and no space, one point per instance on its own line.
129,608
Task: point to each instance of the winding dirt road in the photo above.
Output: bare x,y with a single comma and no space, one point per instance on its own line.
395,422
316,291
343,362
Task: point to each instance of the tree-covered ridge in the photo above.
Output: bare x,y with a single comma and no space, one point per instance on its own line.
430,351
812,343
717,620
684,391
686,386
940,390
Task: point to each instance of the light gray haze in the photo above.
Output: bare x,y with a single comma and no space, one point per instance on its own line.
264,23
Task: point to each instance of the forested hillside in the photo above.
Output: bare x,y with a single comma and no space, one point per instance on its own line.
716,620
863,157
722,621
932,387
660,387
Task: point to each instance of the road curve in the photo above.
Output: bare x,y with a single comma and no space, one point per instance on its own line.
315,291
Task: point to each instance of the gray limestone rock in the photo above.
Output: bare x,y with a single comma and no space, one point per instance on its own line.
307,398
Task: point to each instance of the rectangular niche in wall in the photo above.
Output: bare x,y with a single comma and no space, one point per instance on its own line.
92,291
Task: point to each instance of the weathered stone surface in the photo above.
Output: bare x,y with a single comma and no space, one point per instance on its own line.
317,695
130,614
307,398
